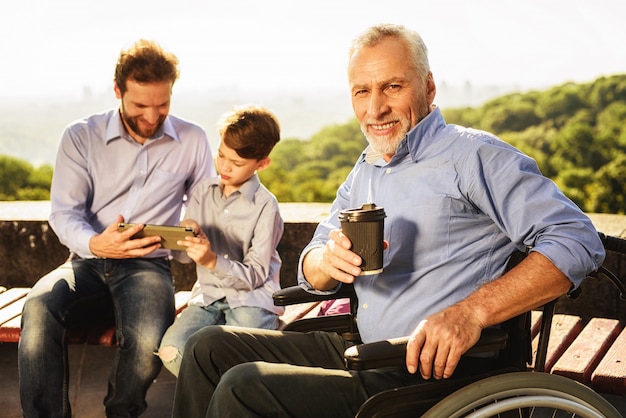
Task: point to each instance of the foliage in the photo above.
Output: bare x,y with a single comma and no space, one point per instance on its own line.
575,132
311,171
20,181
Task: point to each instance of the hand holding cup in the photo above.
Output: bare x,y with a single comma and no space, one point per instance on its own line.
364,227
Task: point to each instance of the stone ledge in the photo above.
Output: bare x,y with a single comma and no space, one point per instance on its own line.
40,210
29,248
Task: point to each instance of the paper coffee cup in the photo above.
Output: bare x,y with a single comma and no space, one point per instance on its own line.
364,227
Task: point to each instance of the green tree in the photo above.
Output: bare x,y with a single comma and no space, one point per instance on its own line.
575,182
610,124
516,117
311,171
608,192
606,90
575,146
41,177
20,181
575,132
560,103
13,176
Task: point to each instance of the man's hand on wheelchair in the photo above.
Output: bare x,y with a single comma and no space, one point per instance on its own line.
436,345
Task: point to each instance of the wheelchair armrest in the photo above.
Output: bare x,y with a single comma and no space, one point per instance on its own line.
392,352
295,294
340,324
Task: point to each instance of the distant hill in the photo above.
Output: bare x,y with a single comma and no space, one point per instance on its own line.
30,130
575,132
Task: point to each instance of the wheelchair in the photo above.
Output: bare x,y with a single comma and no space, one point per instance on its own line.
513,388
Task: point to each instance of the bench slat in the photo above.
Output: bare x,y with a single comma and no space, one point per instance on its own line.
610,375
9,296
180,300
12,310
581,358
11,303
563,331
10,330
535,321
104,333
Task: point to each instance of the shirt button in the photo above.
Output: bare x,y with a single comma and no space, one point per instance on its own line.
226,256
365,306
226,211
388,171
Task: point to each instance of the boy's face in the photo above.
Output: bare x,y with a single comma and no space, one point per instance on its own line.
235,170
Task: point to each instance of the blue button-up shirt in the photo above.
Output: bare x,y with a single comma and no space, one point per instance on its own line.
101,172
458,202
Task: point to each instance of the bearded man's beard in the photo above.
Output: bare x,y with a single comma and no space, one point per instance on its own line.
133,124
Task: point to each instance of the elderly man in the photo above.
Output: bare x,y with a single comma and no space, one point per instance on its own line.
458,203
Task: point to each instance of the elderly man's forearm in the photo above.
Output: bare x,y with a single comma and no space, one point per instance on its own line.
534,282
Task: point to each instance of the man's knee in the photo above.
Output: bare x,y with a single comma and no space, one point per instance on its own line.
263,389
37,311
239,377
238,389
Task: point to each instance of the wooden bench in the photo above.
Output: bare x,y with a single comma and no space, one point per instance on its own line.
12,302
593,353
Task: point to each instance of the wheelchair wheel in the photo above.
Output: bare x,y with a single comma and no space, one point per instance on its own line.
524,394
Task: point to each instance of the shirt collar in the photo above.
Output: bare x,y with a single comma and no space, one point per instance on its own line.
115,128
247,190
421,135
414,142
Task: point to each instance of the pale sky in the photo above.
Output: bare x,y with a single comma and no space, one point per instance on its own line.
61,46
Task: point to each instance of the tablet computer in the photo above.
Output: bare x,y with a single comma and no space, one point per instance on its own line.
169,234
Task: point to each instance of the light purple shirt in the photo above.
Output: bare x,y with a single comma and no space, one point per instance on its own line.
458,202
244,230
101,172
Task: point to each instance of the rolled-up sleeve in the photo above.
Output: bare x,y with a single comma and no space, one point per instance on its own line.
532,211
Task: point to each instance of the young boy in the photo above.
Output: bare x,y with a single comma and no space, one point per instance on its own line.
238,226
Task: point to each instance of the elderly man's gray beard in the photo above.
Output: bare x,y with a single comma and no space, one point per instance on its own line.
389,144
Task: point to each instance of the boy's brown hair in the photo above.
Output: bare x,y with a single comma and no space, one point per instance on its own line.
252,131
145,62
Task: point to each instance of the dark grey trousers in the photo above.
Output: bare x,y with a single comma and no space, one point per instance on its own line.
244,372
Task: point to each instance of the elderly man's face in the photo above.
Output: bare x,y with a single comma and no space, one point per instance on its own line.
388,95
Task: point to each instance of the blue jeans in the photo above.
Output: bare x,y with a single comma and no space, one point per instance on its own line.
142,296
195,317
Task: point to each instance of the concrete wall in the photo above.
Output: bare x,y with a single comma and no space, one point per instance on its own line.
29,249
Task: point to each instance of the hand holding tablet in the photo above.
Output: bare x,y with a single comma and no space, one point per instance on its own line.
169,234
